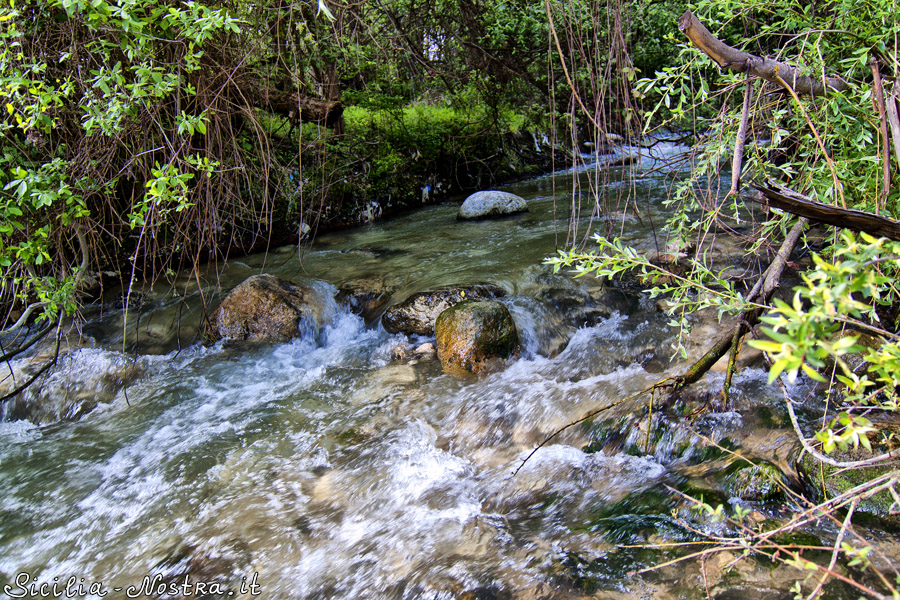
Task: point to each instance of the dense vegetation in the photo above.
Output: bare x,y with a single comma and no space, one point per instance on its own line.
140,136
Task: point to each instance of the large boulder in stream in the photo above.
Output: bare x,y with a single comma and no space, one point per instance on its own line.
416,315
473,336
483,205
266,308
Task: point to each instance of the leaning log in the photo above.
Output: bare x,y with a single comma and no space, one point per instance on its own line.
788,200
308,110
739,61
290,104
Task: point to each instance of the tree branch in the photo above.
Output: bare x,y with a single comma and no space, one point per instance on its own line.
893,118
763,289
738,160
881,107
43,369
779,196
744,62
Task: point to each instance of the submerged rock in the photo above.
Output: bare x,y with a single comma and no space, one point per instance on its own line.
416,315
483,205
471,336
219,565
80,380
266,308
757,483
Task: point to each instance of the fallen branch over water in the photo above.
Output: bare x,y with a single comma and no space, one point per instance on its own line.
786,199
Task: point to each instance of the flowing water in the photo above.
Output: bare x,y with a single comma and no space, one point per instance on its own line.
326,468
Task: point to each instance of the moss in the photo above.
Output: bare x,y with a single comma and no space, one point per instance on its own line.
638,514
826,481
756,483
609,434
771,419
700,489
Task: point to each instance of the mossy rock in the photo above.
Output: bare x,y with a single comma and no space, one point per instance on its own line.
474,336
762,482
825,481
417,314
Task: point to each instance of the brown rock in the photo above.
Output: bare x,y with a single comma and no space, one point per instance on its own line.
473,336
266,308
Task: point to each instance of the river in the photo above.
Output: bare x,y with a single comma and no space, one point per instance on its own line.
325,468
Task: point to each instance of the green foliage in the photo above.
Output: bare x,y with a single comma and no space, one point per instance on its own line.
65,105
394,155
843,290
849,293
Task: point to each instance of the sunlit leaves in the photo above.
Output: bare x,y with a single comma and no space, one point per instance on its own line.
844,431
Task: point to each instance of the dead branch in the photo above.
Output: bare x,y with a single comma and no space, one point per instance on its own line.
737,162
894,118
23,318
786,199
760,293
880,106
8,356
743,62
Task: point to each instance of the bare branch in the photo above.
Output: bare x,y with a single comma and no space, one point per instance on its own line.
738,161
43,369
23,319
786,199
890,106
744,62
881,107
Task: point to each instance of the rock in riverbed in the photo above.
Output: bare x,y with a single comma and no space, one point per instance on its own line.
266,308
81,379
483,205
416,315
366,297
471,336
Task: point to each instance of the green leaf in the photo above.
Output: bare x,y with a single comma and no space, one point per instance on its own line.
324,10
